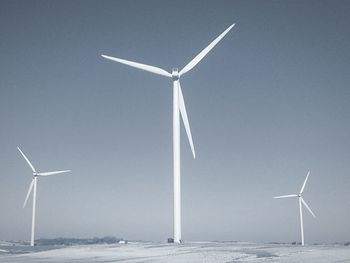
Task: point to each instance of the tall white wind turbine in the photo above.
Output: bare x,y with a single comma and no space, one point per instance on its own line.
301,201
33,186
178,108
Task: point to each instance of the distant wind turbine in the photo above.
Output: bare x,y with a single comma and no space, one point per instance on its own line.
178,108
301,201
33,186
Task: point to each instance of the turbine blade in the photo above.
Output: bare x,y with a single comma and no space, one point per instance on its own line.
28,193
204,52
302,188
152,69
27,160
52,173
308,208
284,196
185,119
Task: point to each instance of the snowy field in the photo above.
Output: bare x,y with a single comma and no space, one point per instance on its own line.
188,252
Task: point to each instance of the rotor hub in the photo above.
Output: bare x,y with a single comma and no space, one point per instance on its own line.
175,74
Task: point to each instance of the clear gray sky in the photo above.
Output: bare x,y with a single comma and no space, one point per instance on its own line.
270,102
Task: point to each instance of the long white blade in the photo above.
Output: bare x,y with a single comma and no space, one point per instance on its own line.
204,52
302,188
52,173
284,196
308,208
152,69
185,119
27,160
28,193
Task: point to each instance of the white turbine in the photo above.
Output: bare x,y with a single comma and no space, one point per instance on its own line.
301,201
178,108
33,186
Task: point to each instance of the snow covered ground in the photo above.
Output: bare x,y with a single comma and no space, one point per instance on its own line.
188,252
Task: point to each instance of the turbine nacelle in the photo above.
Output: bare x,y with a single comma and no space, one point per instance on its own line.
175,74
36,174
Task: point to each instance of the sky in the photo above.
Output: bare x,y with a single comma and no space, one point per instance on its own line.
269,103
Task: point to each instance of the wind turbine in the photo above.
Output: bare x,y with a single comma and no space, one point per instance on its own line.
178,108
32,186
301,201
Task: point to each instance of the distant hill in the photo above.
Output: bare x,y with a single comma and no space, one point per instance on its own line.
76,241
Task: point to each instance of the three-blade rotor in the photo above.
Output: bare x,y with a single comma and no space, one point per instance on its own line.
187,68
35,174
299,195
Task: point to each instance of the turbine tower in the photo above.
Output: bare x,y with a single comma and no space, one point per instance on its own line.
178,108
301,201
33,186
